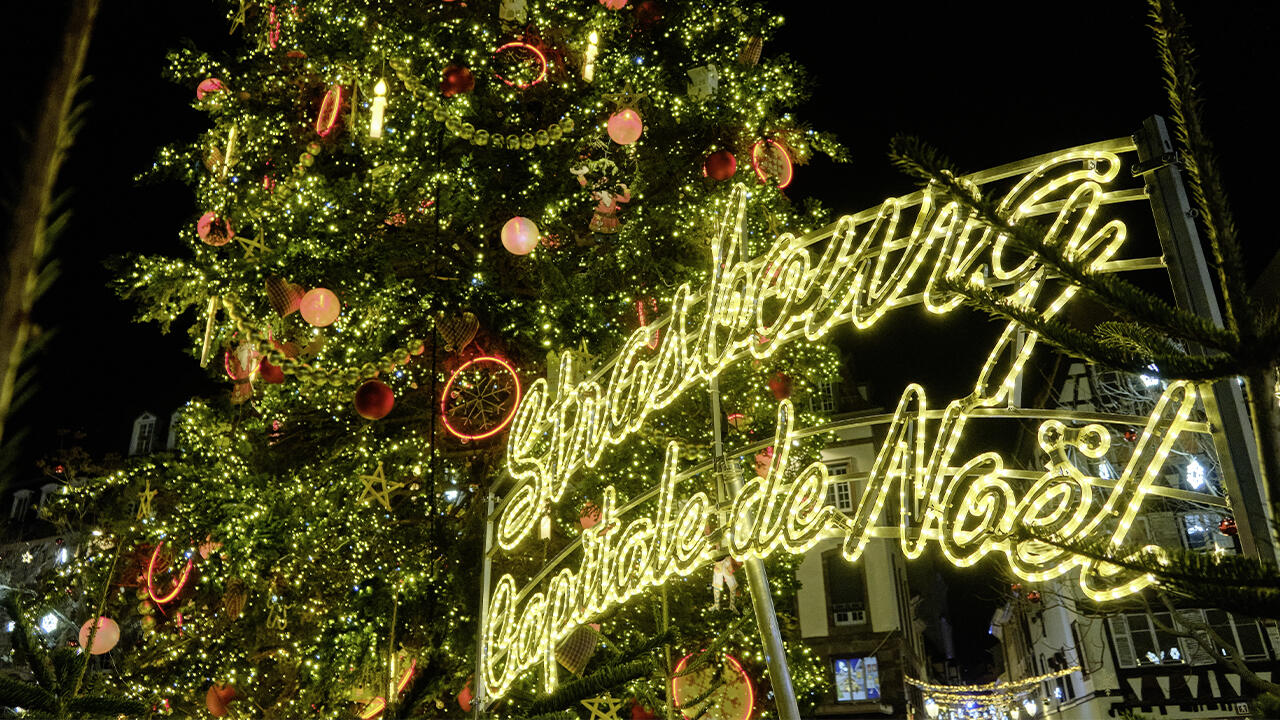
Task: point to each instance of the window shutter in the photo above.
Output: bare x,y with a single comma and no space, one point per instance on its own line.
1121,642
1273,634
1192,651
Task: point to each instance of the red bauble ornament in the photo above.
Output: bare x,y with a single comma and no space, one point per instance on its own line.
1033,596
270,373
647,13
1130,434
614,4
640,712
218,698
780,385
1228,527
625,126
374,400
465,697
458,80
720,165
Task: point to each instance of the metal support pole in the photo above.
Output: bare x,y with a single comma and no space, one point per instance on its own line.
775,656
486,572
1233,433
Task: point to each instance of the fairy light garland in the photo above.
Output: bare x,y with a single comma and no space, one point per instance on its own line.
970,508
306,372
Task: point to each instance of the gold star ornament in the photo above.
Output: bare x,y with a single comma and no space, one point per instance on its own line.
603,708
144,501
379,479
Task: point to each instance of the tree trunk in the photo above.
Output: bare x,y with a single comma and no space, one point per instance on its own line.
31,212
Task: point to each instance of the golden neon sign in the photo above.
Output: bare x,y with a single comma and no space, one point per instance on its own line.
867,268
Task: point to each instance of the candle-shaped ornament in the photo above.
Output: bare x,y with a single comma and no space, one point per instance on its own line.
589,62
378,109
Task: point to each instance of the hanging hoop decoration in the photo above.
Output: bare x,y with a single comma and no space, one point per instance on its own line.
733,699
480,398
523,47
644,318
378,704
770,159
330,110
177,586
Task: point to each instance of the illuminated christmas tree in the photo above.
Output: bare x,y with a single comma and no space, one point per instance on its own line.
405,213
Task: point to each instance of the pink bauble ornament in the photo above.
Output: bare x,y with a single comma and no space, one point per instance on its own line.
625,126
106,638
520,236
207,86
320,307
614,4
214,230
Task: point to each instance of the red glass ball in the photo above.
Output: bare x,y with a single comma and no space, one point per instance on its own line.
270,373
374,400
1228,527
780,385
458,80
720,165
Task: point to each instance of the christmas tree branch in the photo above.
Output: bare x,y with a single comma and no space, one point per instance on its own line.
1138,349
925,163
31,231
1212,643
1177,59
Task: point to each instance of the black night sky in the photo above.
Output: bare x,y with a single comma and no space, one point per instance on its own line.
987,82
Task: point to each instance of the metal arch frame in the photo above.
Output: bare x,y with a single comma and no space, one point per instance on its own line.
1118,146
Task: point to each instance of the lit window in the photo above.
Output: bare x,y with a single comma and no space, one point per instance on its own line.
840,496
1139,642
857,678
823,399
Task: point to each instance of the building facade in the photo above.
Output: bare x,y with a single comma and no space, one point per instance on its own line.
1138,656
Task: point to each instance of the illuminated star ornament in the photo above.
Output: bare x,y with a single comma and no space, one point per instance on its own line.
252,247
603,708
144,501
379,478
626,98
27,557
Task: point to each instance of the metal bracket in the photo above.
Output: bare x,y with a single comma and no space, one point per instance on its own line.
1166,159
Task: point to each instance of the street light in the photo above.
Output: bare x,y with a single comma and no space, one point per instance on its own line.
931,707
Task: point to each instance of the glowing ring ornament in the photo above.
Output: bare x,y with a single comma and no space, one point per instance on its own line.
542,64
733,700
177,587
781,156
330,109
506,419
378,704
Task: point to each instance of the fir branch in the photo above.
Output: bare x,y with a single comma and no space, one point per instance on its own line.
1235,583
1177,59
1096,348
593,685
103,706
927,164
32,228
25,695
